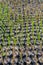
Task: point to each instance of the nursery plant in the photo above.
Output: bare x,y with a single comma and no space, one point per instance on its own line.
19,19
5,19
8,40
33,30
3,54
38,33
28,39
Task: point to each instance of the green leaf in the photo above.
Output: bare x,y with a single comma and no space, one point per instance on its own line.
38,35
28,40
34,41
3,53
8,40
0,47
15,40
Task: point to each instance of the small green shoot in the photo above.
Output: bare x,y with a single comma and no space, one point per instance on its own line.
38,35
19,19
28,40
8,41
3,53
0,47
15,40
33,31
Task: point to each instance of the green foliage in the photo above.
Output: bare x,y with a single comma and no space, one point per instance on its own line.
28,39
3,12
19,19
14,40
0,47
8,41
6,17
3,39
34,40
3,53
38,35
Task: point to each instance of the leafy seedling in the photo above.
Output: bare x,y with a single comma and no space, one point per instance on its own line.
0,47
38,35
8,41
19,19
40,28
34,41
15,40
3,54
3,39
28,39
40,23
33,31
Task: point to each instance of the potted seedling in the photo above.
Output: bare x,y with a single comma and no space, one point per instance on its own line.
34,40
8,41
11,27
41,32
15,40
32,21
14,44
3,54
3,27
3,40
28,39
38,33
19,19
27,28
0,47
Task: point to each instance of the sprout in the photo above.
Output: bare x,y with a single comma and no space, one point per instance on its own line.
15,41
3,54
3,39
38,35
8,41
0,47
32,25
34,41
27,28
28,40
33,31
40,23
19,19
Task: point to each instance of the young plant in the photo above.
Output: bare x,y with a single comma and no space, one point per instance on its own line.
27,27
28,39
8,41
3,54
38,33
19,19
2,39
0,47
14,40
41,27
3,28
33,31
11,30
34,40
40,24
32,25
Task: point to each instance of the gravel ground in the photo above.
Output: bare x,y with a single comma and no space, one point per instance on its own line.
25,55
